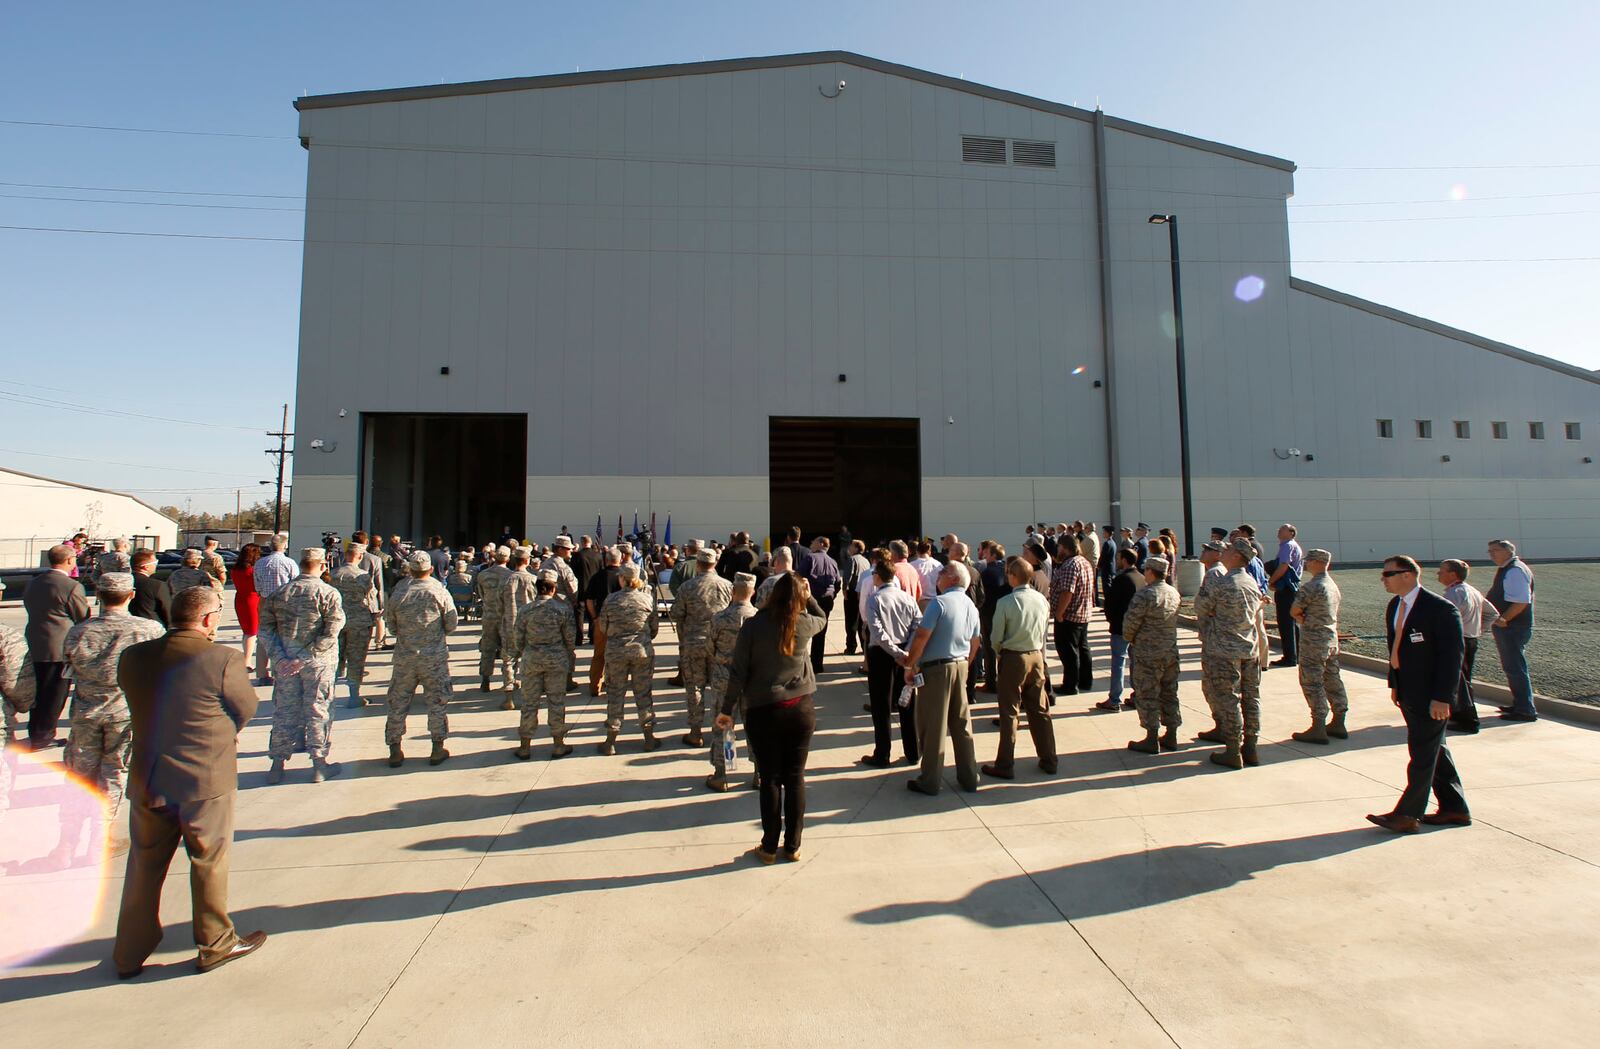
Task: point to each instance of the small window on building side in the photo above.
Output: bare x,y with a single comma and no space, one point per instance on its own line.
1574,432
1536,431
1463,429
1425,428
1498,431
1385,427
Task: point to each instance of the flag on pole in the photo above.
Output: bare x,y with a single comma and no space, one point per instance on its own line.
666,538
636,522
599,536
619,528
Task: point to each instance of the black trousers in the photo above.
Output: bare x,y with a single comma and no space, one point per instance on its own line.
885,678
780,740
49,702
1430,769
1465,710
852,621
986,654
1077,666
1288,629
819,640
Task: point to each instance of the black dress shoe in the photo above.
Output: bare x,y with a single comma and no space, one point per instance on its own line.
875,761
1468,727
1284,663
1447,819
916,787
130,974
1512,714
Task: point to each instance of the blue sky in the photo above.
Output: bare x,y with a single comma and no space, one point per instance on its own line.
1392,111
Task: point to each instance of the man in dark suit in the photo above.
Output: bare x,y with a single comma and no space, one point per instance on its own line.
189,698
54,601
149,594
1425,649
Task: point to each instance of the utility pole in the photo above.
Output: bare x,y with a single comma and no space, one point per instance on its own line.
283,453
238,502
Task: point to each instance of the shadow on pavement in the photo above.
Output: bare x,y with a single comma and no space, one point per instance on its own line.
1131,881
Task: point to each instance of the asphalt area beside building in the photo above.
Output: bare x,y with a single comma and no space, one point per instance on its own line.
608,901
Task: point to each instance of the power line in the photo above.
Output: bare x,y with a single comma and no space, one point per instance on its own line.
142,130
1447,167
113,462
705,251
45,402
164,192
148,203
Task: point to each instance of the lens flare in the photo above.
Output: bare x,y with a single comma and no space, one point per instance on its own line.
1079,370
1169,327
1249,288
1458,192
53,857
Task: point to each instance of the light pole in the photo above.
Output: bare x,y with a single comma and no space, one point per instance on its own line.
1171,222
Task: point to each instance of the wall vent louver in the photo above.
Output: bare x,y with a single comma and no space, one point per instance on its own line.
976,150
1033,154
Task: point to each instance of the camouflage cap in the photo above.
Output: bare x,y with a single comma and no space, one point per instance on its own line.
1213,545
563,542
115,583
706,556
1319,555
313,553
745,580
1242,547
419,562
502,552
549,576
1155,564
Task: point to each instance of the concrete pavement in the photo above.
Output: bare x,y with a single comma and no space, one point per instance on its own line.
1131,900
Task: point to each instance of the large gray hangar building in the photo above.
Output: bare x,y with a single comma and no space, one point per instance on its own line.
824,289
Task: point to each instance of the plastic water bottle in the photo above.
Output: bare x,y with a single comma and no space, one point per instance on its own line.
730,752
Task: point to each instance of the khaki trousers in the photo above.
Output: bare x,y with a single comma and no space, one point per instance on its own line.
941,707
1021,687
206,830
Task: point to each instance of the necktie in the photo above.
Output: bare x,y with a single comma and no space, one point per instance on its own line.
1399,632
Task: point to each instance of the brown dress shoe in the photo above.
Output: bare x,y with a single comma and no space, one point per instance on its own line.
248,945
1393,821
1447,819
998,773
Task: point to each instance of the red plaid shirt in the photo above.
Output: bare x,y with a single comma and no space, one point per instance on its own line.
1072,576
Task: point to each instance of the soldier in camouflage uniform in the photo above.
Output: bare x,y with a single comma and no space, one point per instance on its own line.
545,636
357,585
519,590
698,600
1150,626
488,586
102,728
212,564
720,638
560,562
1316,609
300,626
627,626
116,559
1229,659
191,574
1211,558
419,616
16,680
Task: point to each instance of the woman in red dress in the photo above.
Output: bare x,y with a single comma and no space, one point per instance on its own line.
246,602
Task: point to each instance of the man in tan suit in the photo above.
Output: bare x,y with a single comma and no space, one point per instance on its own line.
188,699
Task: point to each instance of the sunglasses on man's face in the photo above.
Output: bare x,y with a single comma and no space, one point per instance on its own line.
1388,572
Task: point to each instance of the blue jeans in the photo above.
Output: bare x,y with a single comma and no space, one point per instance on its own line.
1510,642
1119,662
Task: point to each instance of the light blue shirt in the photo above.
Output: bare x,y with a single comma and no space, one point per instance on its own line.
952,619
273,572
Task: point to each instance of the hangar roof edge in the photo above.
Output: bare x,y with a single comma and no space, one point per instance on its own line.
86,488
1390,313
603,76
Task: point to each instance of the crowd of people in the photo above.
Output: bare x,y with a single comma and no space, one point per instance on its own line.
157,706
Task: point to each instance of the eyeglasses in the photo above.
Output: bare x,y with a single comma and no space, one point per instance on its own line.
1388,572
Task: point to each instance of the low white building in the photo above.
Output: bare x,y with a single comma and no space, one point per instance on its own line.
38,512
